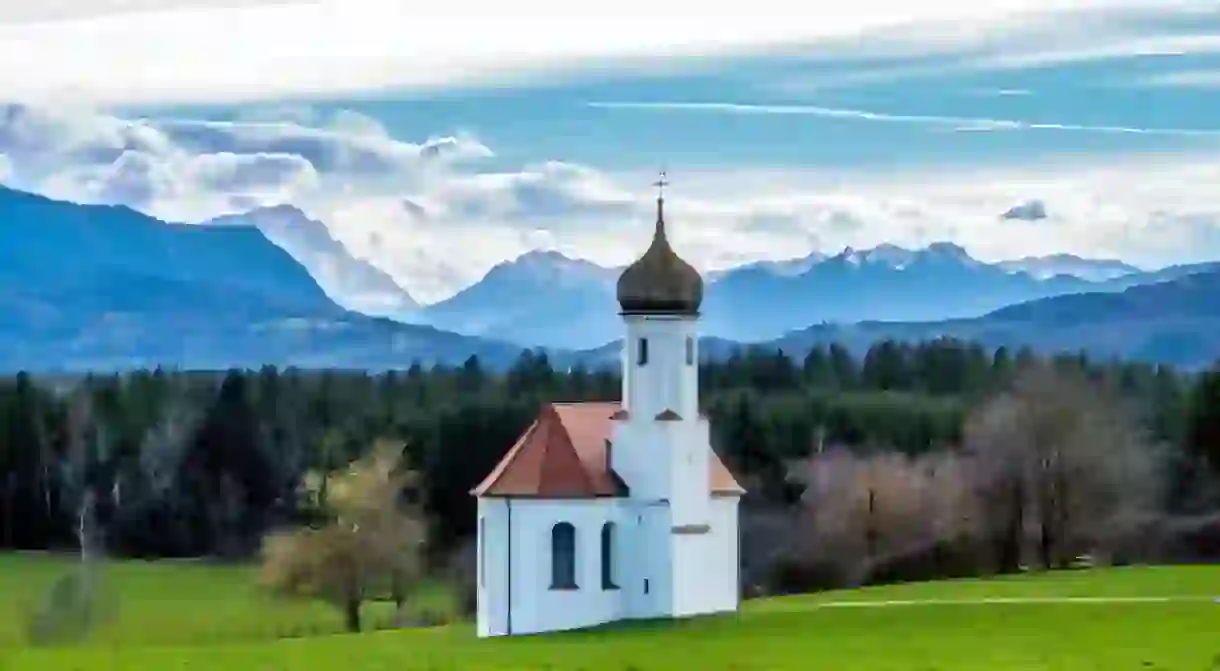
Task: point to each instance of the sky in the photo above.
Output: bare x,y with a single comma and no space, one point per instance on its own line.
435,146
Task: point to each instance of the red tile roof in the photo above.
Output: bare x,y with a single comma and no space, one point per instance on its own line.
563,454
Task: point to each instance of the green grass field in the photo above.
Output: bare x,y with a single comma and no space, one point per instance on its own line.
193,616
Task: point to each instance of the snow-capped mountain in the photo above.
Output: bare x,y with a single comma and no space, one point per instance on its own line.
353,283
782,267
888,283
540,298
1045,267
546,298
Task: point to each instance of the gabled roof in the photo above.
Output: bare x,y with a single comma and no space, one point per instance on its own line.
564,454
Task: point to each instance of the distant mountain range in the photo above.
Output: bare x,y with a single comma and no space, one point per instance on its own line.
103,288
1046,267
1174,321
106,288
545,298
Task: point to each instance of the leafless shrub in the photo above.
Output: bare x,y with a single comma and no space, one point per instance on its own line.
884,517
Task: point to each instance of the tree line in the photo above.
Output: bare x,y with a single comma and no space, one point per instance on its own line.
188,463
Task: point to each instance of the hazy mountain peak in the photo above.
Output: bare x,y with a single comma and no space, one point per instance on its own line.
781,268
552,264
950,253
949,250
891,255
1045,267
354,283
282,210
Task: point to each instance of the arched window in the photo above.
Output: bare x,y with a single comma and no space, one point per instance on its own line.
608,556
563,556
642,352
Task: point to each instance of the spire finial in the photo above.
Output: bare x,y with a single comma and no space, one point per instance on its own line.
661,183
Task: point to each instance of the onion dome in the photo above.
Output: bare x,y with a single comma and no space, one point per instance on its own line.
660,282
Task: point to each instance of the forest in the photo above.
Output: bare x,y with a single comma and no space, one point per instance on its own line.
835,452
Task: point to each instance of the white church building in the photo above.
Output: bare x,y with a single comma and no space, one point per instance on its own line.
611,511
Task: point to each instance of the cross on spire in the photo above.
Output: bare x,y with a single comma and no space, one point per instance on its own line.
660,203
661,183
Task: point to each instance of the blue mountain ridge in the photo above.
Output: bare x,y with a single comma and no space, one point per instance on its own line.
1175,321
85,287
545,298
103,288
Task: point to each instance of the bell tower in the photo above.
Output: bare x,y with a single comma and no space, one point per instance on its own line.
668,454
660,296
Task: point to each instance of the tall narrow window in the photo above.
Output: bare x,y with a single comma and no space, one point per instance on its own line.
608,556
690,351
642,352
563,556
483,551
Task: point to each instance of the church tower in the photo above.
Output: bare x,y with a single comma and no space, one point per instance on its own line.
661,445
660,295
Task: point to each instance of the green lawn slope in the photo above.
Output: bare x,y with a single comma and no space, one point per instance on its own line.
185,616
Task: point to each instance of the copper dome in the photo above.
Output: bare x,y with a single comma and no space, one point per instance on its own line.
660,282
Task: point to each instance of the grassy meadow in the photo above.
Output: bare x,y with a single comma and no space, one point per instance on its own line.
185,615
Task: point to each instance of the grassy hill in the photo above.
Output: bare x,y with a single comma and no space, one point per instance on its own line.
195,616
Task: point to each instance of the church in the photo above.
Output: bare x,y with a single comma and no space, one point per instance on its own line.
612,511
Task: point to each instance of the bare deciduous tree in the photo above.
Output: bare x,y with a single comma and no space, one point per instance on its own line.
77,602
865,512
1056,457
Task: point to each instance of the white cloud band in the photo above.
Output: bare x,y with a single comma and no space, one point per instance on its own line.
333,47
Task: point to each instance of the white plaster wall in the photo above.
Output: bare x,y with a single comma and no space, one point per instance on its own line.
650,561
666,381
686,574
724,592
640,456
665,460
535,607
492,578
705,566
689,470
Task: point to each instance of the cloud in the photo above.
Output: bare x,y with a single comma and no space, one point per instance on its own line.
353,145
1187,79
1041,40
442,221
1030,210
975,124
180,53
191,169
448,221
552,190
20,12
